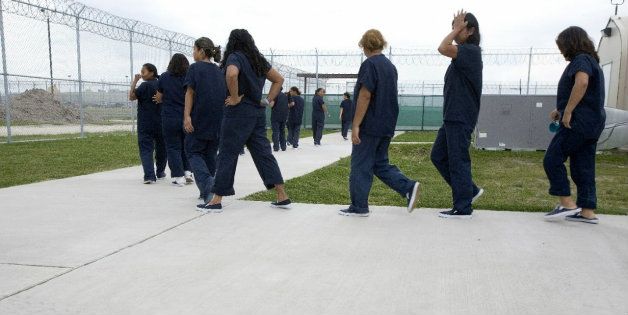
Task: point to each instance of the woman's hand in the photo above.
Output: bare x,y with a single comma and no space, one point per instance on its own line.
459,22
187,124
355,135
158,98
137,77
567,119
554,115
233,100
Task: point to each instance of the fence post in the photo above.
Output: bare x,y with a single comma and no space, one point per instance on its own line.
7,98
317,68
52,86
80,76
529,70
131,73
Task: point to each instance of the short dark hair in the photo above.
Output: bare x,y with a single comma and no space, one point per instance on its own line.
318,90
178,65
295,90
151,68
347,95
574,41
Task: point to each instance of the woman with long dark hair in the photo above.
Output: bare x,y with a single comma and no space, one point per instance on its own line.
245,119
319,111
202,117
149,134
462,93
580,110
346,114
171,93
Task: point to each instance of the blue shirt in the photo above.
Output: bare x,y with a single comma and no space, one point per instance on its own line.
148,113
379,76
295,117
463,86
347,110
250,85
589,117
279,112
210,92
317,106
173,100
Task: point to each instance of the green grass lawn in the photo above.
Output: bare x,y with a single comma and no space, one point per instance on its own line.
67,156
29,162
513,181
416,136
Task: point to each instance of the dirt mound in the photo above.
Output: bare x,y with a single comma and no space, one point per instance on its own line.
39,106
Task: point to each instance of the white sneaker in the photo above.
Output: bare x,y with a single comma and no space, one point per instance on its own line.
189,177
178,181
478,195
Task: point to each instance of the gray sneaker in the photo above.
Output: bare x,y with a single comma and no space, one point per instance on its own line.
578,218
560,212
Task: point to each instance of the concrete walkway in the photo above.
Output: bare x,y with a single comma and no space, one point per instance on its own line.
106,244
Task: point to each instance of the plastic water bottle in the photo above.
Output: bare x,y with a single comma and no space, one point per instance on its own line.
554,126
264,102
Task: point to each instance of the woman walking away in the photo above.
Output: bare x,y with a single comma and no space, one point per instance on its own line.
319,111
171,94
245,119
580,109
295,116
346,114
149,134
278,117
373,128
204,102
462,93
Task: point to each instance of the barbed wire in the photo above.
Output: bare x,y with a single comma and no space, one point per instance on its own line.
99,22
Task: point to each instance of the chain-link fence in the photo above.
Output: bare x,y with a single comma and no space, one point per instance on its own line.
66,71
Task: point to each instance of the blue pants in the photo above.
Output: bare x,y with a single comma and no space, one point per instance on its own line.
346,124
235,133
293,134
370,158
202,156
581,153
318,123
450,156
150,141
174,137
279,135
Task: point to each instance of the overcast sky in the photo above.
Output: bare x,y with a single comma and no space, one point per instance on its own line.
333,24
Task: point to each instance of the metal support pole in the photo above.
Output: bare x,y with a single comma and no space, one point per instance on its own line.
52,87
272,58
132,75
390,53
317,68
7,98
80,77
529,70
170,48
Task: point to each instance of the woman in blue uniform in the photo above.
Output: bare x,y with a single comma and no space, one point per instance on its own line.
278,117
580,109
202,116
346,114
245,119
171,94
295,116
373,128
462,93
149,131
319,111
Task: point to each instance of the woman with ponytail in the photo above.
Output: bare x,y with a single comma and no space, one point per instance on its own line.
246,71
202,117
